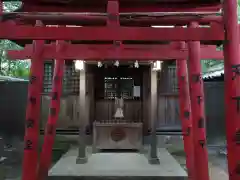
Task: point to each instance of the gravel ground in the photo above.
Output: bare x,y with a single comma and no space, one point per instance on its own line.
11,157
11,161
217,161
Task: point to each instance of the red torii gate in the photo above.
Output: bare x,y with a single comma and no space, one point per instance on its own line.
127,52
88,52
192,34
106,52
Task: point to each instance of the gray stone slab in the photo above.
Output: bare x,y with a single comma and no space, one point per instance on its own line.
117,165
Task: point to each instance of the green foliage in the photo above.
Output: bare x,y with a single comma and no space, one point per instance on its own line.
12,68
11,6
210,63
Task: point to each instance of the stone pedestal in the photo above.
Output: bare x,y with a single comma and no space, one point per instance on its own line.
117,166
122,135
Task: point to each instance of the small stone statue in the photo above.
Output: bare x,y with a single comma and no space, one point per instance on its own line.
119,108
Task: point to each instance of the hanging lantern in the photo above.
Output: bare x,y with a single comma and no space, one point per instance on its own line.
79,65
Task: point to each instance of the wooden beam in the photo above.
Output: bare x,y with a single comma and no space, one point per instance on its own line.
109,52
17,32
165,7
96,20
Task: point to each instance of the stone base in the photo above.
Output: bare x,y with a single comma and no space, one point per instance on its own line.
117,165
153,160
81,160
121,135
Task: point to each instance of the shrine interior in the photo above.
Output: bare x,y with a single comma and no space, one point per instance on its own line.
106,82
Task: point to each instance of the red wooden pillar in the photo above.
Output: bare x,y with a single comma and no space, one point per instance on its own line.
1,11
197,106
185,114
50,129
30,159
1,7
232,87
113,20
113,13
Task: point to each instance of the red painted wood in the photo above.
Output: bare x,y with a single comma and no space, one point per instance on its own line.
142,47
113,22
50,129
109,52
31,7
1,7
198,113
30,158
232,90
93,20
185,115
9,31
113,14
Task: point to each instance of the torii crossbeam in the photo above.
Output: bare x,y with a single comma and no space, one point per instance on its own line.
110,52
13,32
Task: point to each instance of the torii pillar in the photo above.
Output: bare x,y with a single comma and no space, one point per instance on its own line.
198,110
185,114
54,109
30,157
232,87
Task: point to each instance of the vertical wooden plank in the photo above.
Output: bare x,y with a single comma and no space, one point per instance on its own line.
146,122
165,110
172,111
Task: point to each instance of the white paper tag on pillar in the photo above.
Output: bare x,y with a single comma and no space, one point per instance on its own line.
136,91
